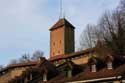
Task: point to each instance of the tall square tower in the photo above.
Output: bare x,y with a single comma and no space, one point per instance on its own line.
61,38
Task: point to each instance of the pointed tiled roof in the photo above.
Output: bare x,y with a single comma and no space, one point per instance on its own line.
61,22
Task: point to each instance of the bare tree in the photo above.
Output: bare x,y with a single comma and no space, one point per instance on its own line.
37,54
113,34
14,61
87,37
1,66
121,9
110,30
25,58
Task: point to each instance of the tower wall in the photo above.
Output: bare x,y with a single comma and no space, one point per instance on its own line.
69,40
61,38
57,42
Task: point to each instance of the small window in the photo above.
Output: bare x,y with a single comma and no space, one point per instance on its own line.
53,43
109,65
58,51
53,53
44,77
69,73
93,68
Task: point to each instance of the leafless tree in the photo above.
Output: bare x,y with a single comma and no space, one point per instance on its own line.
113,34
110,30
25,58
37,54
14,61
87,37
1,66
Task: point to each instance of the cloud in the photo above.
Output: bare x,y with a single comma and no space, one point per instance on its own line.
82,12
24,24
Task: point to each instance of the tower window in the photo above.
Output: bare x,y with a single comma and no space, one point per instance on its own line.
54,43
58,51
60,41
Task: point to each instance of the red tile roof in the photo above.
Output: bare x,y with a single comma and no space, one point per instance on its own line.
51,59
88,75
58,57
103,73
60,23
18,65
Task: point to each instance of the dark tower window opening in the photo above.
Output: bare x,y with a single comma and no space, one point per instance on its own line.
58,51
60,41
53,53
53,43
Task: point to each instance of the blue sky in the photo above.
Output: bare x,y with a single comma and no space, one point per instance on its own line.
24,24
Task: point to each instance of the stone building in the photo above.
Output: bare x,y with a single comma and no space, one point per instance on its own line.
92,65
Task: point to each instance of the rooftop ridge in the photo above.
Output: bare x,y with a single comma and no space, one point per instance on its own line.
61,22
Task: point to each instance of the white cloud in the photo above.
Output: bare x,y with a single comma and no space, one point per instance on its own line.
24,24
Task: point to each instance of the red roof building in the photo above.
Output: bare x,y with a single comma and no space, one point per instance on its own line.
65,65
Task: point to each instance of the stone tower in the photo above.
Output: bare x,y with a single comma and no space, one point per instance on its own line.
61,38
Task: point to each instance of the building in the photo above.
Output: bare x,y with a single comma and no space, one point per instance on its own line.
67,66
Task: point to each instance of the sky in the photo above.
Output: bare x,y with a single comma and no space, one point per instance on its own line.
24,24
